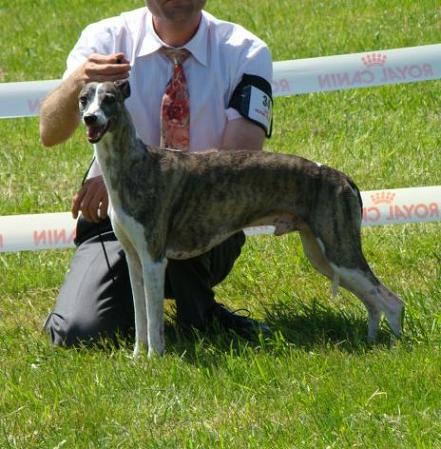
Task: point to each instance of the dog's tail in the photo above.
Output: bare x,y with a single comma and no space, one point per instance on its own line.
354,186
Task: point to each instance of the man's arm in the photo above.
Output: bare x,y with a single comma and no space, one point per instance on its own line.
59,114
59,117
241,134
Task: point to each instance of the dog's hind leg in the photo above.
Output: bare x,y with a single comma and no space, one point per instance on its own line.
314,253
359,279
377,298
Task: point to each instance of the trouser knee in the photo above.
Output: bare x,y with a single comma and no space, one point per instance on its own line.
72,331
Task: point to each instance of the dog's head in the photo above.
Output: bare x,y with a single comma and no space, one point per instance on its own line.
100,106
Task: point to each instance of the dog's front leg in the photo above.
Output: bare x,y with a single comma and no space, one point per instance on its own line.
154,279
139,303
136,282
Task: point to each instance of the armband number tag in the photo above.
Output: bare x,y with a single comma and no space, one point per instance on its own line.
260,107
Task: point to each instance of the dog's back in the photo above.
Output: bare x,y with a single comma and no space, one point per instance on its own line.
226,191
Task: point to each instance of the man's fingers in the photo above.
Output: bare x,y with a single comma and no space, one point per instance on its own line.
106,67
92,200
76,202
99,78
116,58
90,204
104,207
94,71
93,207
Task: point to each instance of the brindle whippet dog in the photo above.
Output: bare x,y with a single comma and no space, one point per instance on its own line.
171,204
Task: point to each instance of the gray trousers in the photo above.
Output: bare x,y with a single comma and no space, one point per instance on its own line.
96,302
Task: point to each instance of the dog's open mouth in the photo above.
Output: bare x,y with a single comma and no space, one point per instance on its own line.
96,132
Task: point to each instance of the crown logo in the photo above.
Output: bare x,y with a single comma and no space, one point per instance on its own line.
383,197
374,59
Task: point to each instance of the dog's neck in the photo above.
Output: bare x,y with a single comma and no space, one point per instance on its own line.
119,144
117,150
121,137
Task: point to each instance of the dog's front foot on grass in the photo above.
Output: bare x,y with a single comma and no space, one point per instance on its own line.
141,348
156,346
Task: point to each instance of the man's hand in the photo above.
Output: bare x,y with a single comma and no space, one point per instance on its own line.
59,113
92,200
103,68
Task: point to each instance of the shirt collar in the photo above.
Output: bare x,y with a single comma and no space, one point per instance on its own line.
197,46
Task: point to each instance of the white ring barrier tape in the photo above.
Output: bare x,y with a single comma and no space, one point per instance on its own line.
380,207
405,65
23,99
379,68
301,76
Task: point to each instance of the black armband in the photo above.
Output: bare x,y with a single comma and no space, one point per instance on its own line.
252,98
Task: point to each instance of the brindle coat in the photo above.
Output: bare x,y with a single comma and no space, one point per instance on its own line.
171,204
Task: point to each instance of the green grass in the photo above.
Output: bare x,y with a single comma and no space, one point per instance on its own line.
316,383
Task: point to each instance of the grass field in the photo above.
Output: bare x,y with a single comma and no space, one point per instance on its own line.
315,383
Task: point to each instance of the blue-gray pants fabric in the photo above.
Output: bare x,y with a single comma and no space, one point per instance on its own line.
95,300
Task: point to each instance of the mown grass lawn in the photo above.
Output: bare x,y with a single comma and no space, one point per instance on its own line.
315,383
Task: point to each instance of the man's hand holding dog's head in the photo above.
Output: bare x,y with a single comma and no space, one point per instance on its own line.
100,68
59,114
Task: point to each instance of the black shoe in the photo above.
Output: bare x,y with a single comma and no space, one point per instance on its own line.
242,325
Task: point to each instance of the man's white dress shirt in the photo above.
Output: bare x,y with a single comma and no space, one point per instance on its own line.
221,52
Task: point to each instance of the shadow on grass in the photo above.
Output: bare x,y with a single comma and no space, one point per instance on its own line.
310,327
316,324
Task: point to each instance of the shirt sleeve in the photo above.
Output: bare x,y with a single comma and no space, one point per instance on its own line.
96,38
95,170
254,59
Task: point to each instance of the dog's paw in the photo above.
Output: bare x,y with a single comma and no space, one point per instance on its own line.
140,350
155,352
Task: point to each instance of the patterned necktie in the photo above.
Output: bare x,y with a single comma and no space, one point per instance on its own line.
175,106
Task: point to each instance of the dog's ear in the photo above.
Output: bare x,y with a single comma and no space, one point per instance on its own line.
124,87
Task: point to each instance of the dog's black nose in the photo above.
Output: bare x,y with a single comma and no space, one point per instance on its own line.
90,119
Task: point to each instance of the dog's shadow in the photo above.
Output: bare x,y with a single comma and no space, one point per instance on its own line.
313,326
318,324
310,327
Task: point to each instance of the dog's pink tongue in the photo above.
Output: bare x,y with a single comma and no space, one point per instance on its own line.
93,132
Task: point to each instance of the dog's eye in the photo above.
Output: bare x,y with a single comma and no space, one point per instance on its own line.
109,98
83,100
